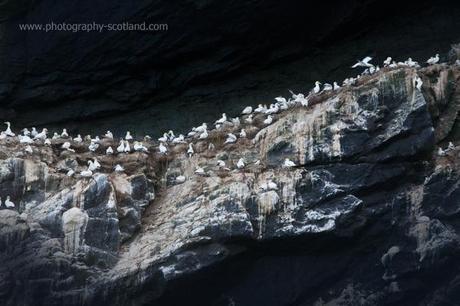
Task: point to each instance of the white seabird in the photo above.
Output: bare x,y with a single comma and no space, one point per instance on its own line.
70,173
66,146
25,139
64,133
28,149
190,150
9,203
86,173
8,131
336,86
127,147
199,170
269,120
162,148
281,99
272,185
236,121
441,152
119,168
450,146
274,108
93,146
317,87
42,134
433,60
231,138
34,132
25,132
288,163
78,139
327,87
139,147
240,164
128,136
260,109
109,151
418,82
121,147
47,142
109,135
363,63
204,135
247,110
387,62
55,136
164,138
179,139
249,119
222,119
243,133
92,166
203,127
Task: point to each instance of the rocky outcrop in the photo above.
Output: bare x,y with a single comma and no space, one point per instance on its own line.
366,217
214,57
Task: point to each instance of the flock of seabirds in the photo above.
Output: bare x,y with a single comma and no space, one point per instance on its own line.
128,144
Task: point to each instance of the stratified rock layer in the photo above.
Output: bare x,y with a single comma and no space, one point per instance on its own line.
366,217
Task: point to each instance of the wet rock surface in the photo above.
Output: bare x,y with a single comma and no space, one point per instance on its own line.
368,216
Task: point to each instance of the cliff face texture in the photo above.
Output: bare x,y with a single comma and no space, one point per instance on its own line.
368,216
215,56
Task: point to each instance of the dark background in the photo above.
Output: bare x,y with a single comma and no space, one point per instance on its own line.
217,56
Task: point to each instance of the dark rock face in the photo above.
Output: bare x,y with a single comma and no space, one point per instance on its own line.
368,216
214,57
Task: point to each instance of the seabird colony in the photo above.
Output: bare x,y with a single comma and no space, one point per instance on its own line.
127,144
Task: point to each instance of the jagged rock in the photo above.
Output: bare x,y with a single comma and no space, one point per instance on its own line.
367,215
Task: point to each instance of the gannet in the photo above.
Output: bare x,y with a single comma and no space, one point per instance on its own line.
164,138
180,179
86,173
288,163
8,131
70,173
247,110
222,120
418,82
211,146
231,138
199,170
109,151
55,136
179,139
260,109
336,86
25,139
109,135
162,148
299,98
317,87
119,168
249,119
78,139
327,87
28,149
88,138
9,203
64,133
433,60
93,146
203,127
34,132
204,135
92,166
127,147
42,134
387,62
411,63
441,152
363,63
236,121
240,164
269,120
121,147
450,146
243,133
393,65
139,147
66,146
128,136
25,132
171,135
220,163
47,142
190,150
281,99
274,108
